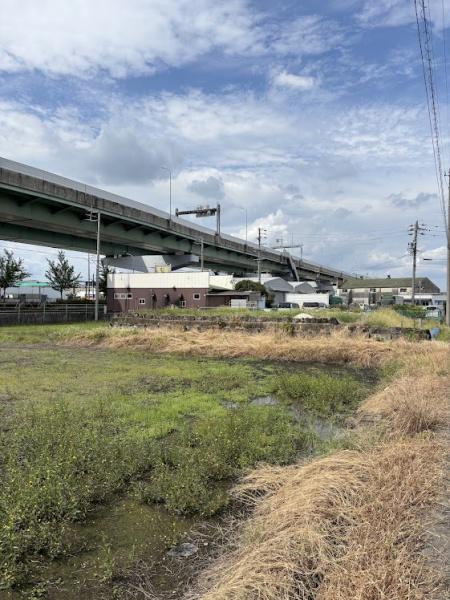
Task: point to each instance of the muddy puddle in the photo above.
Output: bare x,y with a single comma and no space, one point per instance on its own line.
125,532
108,545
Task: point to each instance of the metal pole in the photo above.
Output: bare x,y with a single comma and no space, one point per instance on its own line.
97,267
170,191
447,311
89,277
414,253
218,219
202,259
246,228
170,195
259,254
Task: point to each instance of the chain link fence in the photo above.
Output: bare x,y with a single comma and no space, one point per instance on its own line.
49,313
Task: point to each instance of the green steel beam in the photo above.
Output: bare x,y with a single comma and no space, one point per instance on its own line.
40,224
38,207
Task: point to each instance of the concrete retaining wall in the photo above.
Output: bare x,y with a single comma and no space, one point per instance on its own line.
243,323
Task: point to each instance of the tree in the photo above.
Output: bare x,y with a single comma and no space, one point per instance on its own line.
247,285
11,271
61,274
103,279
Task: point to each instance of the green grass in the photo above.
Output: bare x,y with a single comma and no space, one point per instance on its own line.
77,425
38,334
323,395
195,461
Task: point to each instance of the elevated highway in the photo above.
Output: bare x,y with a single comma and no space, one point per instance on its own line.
37,207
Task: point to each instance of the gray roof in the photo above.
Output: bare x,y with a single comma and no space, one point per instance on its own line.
305,288
275,284
389,282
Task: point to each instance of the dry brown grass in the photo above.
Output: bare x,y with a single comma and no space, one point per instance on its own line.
344,527
412,404
335,348
349,526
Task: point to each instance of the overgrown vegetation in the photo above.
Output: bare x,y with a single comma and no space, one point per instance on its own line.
78,426
323,395
354,524
194,462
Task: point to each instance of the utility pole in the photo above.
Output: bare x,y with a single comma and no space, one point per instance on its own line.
414,230
170,190
94,216
413,250
447,310
261,234
218,219
97,269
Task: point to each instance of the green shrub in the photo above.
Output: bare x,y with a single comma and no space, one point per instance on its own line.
195,460
322,395
409,310
58,460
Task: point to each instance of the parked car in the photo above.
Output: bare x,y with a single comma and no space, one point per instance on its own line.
433,312
314,305
286,305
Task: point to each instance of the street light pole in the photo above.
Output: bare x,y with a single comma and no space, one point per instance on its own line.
447,309
170,190
246,221
97,268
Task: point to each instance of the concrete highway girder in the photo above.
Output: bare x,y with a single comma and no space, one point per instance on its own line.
35,221
149,230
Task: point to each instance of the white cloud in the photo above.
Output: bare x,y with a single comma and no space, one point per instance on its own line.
294,170
290,80
395,13
386,12
306,35
81,37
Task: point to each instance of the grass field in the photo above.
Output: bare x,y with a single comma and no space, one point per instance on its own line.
170,419
80,425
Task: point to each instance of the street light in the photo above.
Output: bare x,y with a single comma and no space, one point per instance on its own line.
246,220
95,216
170,190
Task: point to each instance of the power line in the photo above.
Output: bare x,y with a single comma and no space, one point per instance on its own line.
426,52
447,97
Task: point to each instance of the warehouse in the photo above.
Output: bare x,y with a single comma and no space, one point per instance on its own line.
389,290
195,289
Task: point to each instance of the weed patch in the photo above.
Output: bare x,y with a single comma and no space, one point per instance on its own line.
56,461
194,461
322,395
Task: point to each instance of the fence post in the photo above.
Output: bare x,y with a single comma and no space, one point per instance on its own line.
86,311
43,313
67,312
18,313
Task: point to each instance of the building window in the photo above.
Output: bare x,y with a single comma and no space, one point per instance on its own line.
116,296
403,290
373,290
129,296
141,300
196,296
119,296
182,303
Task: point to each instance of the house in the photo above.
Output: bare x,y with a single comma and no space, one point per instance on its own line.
301,298
388,290
277,286
236,299
194,289
31,291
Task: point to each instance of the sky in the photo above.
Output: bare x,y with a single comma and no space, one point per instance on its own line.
309,116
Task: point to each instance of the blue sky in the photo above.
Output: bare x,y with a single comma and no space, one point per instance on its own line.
310,114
